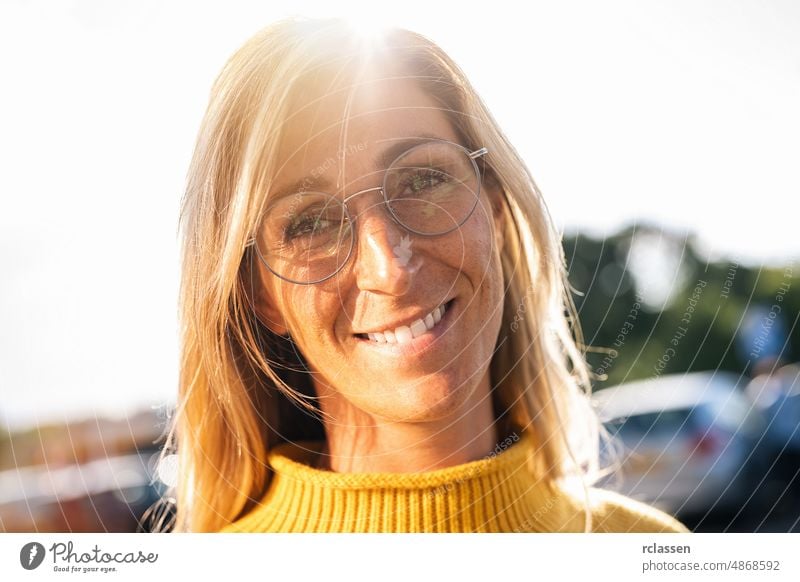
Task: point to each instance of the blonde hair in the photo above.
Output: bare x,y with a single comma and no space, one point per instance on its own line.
239,393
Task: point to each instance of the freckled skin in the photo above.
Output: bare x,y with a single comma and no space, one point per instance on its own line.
391,414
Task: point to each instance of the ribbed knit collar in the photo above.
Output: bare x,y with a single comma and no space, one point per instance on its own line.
493,494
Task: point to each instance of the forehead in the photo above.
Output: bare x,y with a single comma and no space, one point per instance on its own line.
357,127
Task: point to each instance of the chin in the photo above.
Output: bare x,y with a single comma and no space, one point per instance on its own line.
422,402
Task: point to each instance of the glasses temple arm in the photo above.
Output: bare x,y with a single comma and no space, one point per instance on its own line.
478,153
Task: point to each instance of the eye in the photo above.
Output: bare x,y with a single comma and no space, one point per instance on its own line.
307,225
424,179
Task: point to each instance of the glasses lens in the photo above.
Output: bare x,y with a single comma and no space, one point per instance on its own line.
306,237
432,188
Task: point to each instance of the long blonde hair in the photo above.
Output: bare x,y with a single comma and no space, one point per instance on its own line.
242,389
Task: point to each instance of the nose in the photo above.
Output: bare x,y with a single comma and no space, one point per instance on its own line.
384,258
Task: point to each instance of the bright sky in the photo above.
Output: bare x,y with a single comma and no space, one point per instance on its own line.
684,113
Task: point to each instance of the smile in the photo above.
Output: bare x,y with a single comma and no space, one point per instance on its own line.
405,333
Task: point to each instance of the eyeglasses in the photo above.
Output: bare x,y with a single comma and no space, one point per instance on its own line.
430,190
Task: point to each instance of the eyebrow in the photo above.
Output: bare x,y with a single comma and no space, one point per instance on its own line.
386,157
400,145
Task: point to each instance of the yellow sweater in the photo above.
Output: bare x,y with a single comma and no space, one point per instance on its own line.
494,494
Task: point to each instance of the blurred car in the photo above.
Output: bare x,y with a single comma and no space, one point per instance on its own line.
777,394
689,441
103,495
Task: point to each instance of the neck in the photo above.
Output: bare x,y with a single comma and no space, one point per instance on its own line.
359,442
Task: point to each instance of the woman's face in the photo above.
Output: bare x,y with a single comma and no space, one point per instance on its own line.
393,277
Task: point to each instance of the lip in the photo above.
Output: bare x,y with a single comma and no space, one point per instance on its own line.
418,345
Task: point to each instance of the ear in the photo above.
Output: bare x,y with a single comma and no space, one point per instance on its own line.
497,197
265,306
270,315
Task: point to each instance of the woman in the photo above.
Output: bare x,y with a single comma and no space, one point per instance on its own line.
373,307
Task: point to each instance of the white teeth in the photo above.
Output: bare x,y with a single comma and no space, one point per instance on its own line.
419,327
405,333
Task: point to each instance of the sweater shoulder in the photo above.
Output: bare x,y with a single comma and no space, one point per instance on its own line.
254,521
614,512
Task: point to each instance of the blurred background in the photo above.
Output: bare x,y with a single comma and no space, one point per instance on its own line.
662,134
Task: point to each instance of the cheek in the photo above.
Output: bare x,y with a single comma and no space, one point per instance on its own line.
478,241
305,312
485,255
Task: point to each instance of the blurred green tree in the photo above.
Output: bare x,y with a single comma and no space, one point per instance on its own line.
649,304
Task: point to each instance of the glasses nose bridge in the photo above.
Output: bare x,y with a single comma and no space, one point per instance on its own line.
359,193
382,203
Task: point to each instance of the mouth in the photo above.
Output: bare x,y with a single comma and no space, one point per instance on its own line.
414,337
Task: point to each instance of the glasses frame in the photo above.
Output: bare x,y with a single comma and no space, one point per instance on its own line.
472,155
